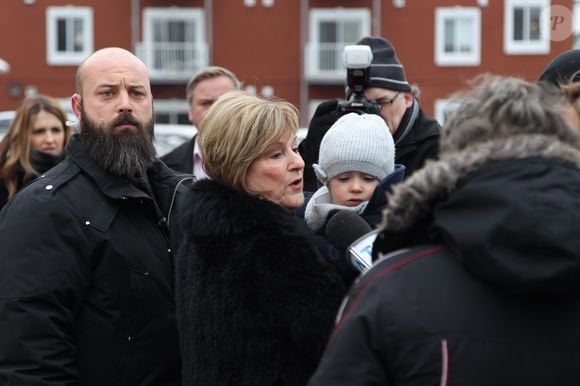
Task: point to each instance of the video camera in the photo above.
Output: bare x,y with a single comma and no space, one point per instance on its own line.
357,59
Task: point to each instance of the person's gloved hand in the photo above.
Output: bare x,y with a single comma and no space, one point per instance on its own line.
325,115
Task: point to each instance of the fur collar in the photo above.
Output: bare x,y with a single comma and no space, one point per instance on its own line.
222,211
413,200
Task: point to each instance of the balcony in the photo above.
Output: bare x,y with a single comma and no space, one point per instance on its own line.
324,63
172,62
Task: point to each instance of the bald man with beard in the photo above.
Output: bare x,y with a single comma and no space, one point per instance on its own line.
86,278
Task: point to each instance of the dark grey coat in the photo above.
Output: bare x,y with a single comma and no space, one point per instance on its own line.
486,287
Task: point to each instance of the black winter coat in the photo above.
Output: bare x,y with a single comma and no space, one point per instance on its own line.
41,162
181,158
495,299
255,301
86,279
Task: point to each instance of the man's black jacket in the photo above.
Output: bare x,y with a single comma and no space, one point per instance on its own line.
86,279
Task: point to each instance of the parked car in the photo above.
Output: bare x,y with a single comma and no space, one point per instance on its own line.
169,136
5,119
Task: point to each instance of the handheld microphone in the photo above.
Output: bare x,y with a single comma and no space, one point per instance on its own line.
361,251
351,235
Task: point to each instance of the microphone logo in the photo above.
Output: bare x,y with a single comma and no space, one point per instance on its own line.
360,251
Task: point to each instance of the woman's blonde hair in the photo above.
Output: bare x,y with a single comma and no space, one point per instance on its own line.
15,146
238,129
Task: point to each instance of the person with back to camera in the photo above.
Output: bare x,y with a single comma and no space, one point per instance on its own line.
86,273
416,135
563,71
255,300
356,167
203,89
34,143
486,287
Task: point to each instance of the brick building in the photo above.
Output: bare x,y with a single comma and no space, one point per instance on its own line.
288,48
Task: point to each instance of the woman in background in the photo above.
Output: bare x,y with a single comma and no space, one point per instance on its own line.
33,144
255,300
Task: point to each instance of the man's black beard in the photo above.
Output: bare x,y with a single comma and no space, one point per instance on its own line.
125,153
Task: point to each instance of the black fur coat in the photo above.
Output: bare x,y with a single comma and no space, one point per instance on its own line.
255,301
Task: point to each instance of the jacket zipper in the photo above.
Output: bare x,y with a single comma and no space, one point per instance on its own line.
192,178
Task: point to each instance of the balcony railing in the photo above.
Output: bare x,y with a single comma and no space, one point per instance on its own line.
324,62
172,61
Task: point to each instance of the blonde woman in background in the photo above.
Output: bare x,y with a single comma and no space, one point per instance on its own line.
33,144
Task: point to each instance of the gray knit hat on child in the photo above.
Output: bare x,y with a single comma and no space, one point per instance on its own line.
356,142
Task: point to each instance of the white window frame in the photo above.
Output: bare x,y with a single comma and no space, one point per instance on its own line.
443,58
576,23
319,15
53,14
526,47
146,49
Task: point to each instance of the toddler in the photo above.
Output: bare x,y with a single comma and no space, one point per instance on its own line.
356,154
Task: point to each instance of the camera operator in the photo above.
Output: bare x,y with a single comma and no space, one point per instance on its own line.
416,135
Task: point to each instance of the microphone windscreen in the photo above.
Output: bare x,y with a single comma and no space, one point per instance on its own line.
344,228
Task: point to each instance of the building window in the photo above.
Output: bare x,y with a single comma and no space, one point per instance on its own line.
576,23
526,31
330,30
174,44
457,36
69,35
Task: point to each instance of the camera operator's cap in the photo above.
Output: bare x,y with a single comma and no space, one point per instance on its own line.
385,70
563,69
356,142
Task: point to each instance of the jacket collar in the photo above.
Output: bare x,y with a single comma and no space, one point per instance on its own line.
506,207
163,181
379,197
414,127
414,199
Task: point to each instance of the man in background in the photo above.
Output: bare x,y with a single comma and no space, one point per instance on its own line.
416,135
203,89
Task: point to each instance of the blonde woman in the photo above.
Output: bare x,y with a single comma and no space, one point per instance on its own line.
256,302
33,144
